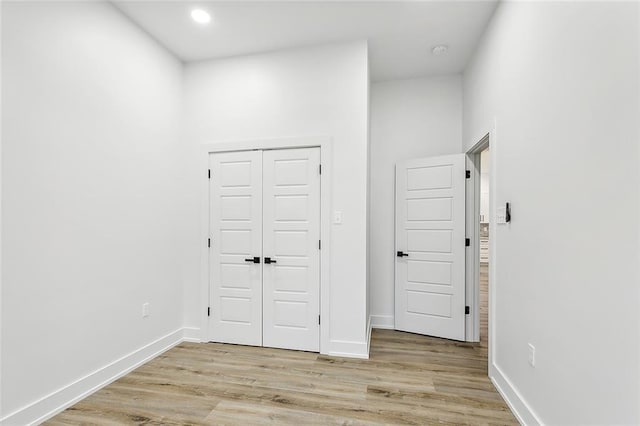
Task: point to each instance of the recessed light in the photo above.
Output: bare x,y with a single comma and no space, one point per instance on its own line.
440,49
200,16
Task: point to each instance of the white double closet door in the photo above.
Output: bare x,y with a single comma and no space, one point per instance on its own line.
264,274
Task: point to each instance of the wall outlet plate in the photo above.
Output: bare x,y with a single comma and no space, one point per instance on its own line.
532,355
145,310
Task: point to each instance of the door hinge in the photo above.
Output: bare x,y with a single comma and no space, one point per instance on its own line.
209,311
318,319
467,174
467,242
319,169
466,310
209,173
319,244
209,242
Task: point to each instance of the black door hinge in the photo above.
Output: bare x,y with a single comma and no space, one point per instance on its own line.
467,242
209,242
319,169
319,244
467,174
318,319
209,173
209,311
466,310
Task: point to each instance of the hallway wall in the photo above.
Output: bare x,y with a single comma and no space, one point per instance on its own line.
560,83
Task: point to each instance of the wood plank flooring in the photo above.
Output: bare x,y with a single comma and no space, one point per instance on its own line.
484,304
409,379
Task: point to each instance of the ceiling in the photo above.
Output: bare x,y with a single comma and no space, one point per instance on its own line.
401,34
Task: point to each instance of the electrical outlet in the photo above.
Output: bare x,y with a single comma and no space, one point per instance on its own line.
145,310
532,355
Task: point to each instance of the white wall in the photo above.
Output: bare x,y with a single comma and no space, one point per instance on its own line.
409,119
561,81
320,91
90,122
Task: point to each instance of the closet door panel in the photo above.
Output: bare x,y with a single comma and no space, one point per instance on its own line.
235,215
291,235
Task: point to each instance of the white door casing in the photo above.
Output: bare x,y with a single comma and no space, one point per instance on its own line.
291,237
236,237
430,246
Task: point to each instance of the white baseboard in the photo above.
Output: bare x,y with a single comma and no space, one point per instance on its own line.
523,412
382,321
50,405
348,349
369,336
191,334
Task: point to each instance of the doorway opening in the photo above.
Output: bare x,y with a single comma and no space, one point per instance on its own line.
479,224
484,224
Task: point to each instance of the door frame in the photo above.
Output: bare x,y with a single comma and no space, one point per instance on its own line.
325,144
473,231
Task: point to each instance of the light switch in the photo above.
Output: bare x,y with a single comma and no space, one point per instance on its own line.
337,217
532,355
501,215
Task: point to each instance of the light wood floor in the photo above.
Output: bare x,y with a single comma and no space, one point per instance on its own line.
484,304
409,379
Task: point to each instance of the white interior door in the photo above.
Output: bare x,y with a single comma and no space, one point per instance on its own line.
235,215
430,246
291,272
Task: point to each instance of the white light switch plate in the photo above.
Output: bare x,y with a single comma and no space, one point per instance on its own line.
532,355
501,215
337,217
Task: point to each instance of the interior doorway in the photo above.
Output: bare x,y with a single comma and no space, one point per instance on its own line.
479,227
484,224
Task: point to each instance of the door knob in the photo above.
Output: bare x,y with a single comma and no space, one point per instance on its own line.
268,260
255,259
402,254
